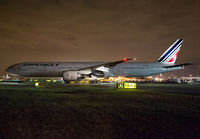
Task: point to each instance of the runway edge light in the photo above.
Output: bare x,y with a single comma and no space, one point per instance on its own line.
36,84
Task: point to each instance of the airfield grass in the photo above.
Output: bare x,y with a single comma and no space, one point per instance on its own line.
95,112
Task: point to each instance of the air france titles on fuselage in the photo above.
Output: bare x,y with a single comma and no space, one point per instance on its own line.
39,64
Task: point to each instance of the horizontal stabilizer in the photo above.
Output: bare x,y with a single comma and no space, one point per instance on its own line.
185,64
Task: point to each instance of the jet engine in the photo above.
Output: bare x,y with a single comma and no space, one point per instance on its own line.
71,76
98,73
78,75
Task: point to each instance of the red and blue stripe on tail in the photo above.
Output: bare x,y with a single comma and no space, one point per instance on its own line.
170,55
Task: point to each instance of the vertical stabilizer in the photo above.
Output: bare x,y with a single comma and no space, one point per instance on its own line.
170,55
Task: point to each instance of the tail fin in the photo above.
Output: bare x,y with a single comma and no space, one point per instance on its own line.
170,55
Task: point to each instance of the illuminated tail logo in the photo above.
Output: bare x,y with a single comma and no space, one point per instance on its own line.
170,55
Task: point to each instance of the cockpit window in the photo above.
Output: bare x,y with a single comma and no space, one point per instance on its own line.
10,67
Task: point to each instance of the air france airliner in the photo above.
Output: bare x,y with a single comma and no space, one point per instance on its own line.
71,71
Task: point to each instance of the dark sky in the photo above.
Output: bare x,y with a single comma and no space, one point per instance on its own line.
97,30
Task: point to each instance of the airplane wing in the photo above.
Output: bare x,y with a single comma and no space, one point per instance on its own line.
185,64
108,65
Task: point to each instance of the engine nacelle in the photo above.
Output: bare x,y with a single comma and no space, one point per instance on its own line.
71,76
98,73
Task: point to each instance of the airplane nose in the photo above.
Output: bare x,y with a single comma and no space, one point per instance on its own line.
11,70
8,69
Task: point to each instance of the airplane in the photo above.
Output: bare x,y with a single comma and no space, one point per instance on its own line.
72,71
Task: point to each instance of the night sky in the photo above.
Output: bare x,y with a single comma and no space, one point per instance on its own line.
97,30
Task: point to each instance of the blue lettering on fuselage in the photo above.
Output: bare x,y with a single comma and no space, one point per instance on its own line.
38,64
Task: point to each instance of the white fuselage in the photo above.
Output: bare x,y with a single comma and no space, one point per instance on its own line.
56,69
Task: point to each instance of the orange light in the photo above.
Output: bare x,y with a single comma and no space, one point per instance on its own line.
124,59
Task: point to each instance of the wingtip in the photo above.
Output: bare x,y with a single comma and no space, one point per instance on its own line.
126,59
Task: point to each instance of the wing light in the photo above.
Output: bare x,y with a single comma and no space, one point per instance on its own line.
124,59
